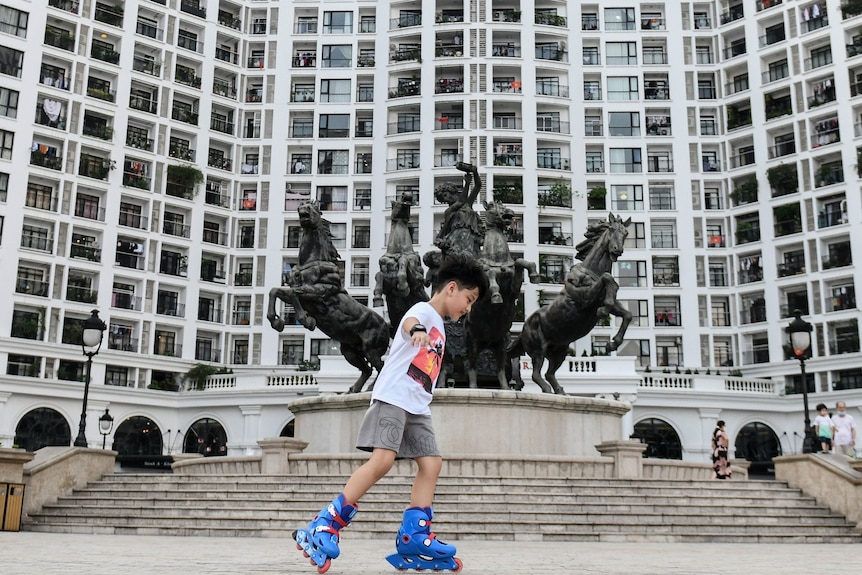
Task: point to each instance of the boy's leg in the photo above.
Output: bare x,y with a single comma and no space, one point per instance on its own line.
425,484
368,474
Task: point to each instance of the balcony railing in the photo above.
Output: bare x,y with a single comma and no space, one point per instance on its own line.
147,66
224,88
32,287
143,104
193,8
138,141
81,294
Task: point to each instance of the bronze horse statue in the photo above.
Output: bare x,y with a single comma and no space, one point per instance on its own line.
401,279
314,288
490,319
590,293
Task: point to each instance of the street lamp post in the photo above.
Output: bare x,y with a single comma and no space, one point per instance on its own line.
799,331
106,424
91,342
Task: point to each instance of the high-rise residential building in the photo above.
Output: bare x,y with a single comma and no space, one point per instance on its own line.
156,170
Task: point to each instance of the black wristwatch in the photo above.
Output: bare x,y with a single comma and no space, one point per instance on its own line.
417,327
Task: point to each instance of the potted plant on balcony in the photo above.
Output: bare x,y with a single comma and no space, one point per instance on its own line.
596,198
783,179
850,8
745,192
788,219
188,177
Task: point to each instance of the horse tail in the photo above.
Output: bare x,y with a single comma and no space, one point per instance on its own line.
516,348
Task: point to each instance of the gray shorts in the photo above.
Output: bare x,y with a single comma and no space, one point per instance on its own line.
389,427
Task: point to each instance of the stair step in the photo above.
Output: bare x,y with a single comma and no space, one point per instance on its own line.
525,509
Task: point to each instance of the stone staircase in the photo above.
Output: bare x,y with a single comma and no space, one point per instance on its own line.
486,508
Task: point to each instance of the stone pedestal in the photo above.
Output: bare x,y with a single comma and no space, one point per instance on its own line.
475,423
12,464
276,451
628,457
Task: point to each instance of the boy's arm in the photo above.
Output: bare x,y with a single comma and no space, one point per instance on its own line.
415,332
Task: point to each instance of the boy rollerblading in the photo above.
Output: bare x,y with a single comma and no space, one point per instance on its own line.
398,425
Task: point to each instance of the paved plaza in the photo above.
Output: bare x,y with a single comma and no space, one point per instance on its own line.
28,553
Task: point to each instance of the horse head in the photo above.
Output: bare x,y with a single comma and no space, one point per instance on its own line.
604,243
309,215
497,215
401,207
616,235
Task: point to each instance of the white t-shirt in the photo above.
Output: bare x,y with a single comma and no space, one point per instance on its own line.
823,425
843,426
408,378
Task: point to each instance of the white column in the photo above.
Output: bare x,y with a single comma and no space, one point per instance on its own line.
250,430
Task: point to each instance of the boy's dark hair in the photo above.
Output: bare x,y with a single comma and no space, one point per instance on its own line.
820,406
464,271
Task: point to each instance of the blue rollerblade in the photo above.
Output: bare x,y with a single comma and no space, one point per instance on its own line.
319,542
418,548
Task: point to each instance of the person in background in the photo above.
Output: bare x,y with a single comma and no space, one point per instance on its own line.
843,431
823,428
720,444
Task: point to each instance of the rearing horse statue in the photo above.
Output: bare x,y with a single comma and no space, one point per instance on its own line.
590,293
490,319
401,279
316,292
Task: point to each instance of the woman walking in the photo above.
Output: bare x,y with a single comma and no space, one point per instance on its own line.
720,443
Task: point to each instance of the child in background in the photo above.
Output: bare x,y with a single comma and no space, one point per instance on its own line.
823,428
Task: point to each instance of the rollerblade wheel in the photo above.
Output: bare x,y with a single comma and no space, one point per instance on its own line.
325,567
459,565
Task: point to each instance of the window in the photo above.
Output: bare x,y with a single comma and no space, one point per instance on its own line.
334,126
338,22
717,274
631,273
620,19
595,162
337,56
720,311
365,92
8,103
333,199
7,139
335,91
591,56
623,88
627,197
639,309
324,347
706,89
703,54
11,61
661,198
821,56
292,351
708,126
119,376
637,235
665,271
13,21
624,124
333,162
4,187
663,235
621,53
626,160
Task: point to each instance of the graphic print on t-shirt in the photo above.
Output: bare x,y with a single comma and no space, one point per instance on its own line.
426,365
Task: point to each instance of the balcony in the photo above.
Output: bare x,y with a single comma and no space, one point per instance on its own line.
53,118
449,86
184,114
71,6
839,256
221,125
85,252
102,93
81,294
105,53
146,29
224,89
507,50
95,166
406,20
29,286
225,18
59,38
193,8
227,55
220,162
214,236
143,103
141,142
747,232
187,76
111,15
46,156
242,279
404,89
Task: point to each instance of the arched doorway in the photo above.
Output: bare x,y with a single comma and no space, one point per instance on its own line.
42,427
207,437
661,439
138,436
288,430
758,443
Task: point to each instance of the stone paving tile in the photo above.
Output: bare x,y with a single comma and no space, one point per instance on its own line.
27,553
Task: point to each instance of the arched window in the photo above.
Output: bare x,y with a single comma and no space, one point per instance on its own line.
661,439
288,429
207,437
137,436
758,443
40,428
